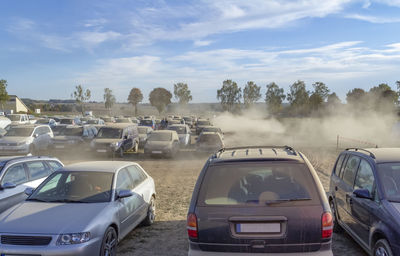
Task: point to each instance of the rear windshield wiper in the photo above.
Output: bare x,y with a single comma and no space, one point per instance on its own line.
67,201
283,200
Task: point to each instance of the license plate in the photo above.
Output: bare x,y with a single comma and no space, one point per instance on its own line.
258,228
156,152
101,150
59,146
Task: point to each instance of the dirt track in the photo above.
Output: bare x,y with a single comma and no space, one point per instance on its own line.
175,180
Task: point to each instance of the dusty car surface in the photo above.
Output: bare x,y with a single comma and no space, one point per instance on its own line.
18,173
116,139
200,124
24,139
213,129
209,142
162,142
144,133
259,201
184,133
81,209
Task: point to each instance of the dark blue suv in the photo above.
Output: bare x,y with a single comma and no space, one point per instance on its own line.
365,198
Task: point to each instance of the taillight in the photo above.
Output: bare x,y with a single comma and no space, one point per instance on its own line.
192,225
327,225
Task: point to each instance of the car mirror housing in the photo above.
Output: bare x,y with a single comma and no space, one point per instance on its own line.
29,191
362,193
124,193
8,185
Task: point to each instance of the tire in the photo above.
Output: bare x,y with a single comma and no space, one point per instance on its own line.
109,243
151,213
382,248
336,227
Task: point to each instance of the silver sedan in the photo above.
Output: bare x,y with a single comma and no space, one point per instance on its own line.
81,209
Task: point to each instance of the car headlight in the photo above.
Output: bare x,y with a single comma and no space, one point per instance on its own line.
74,238
115,144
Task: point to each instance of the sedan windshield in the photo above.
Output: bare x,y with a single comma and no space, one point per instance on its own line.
203,123
389,176
160,136
42,121
109,133
67,121
146,122
211,129
75,187
19,132
123,120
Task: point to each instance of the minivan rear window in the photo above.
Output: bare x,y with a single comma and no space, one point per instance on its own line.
258,184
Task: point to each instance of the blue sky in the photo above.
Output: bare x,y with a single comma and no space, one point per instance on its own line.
47,47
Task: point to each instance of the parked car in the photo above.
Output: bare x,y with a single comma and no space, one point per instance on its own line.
200,124
116,139
255,200
4,121
50,122
184,133
213,129
25,139
108,119
18,173
81,209
144,133
365,198
96,121
209,142
74,138
148,122
188,121
58,129
19,119
70,121
162,142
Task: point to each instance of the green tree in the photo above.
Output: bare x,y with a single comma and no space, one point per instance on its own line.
81,96
274,97
298,97
4,97
135,97
160,98
333,99
356,97
229,95
321,89
382,97
182,93
251,93
109,99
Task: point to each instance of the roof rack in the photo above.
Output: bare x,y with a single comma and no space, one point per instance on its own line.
361,149
273,148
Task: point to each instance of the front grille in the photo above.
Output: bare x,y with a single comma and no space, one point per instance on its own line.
8,144
26,240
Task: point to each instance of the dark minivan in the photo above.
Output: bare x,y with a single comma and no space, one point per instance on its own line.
259,200
365,198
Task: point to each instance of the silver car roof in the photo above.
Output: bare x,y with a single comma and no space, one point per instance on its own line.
98,166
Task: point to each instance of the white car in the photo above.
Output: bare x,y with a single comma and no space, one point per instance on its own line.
19,119
184,133
4,121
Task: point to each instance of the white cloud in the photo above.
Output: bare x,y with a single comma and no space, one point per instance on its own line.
199,43
373,19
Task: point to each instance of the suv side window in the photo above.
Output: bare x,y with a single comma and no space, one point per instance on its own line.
124,181
15,174
365,177
37,170
351,169
137,175
339,164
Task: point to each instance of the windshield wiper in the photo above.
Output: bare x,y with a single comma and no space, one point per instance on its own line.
283,200
36,200
67,201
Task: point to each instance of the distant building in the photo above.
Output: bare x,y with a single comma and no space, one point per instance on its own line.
15,105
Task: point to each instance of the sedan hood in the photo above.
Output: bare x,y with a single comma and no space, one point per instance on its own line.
49,218
103,141
13,139
158,144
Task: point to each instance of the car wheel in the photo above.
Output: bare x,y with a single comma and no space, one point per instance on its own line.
151,213
336,227
109,243
382,248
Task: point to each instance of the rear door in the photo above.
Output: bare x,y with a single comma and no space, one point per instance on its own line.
239,208
141,189
345,189
126,206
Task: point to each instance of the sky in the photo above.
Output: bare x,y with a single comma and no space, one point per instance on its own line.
48,47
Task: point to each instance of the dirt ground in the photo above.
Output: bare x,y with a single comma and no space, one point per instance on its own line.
175,180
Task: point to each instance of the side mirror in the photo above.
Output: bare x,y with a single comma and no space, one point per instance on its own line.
29,191
362,193
124,193
8,185
35,135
